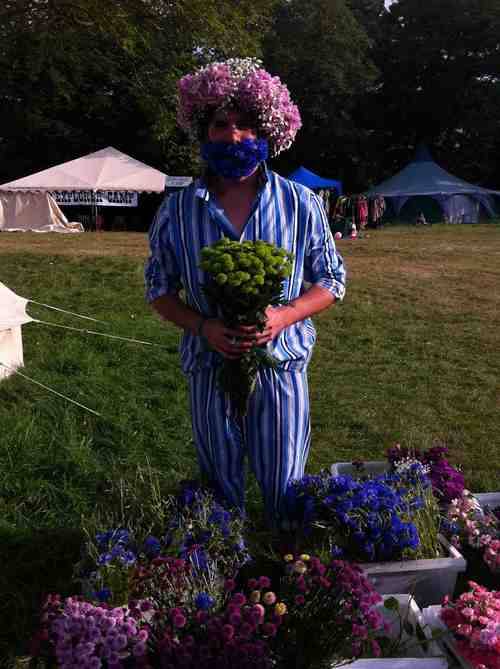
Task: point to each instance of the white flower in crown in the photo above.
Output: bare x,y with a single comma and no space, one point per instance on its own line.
241,82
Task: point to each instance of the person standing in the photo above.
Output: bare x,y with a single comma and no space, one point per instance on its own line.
241,115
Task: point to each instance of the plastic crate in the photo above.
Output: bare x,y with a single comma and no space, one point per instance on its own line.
429,580
433,657
372,468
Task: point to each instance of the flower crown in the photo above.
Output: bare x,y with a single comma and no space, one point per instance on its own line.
241,82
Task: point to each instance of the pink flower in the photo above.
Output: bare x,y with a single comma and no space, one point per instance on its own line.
235,619
228,632
264,582
179,620
229,584
201,617
299,600
259,611
238,599
268,629
269,598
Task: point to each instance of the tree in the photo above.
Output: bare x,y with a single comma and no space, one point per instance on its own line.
327,70
83,74
439,64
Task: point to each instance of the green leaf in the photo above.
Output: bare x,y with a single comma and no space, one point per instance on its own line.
392,604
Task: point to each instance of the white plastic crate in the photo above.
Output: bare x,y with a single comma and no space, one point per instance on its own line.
491,499
372,468
416,657
429,580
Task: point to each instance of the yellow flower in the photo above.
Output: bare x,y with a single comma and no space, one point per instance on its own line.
255,596
305,557
288,557
280,609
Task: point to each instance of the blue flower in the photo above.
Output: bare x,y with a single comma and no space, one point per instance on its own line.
152,546
239,546
104,558
128,558
336,551
203,601
103,595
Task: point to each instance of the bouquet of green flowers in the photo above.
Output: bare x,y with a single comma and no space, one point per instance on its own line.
244,278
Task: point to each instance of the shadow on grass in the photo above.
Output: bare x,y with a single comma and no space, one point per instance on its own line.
34,563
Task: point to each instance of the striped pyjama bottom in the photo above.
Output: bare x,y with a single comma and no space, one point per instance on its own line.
275,435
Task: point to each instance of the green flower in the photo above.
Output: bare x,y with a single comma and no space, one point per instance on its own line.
221,278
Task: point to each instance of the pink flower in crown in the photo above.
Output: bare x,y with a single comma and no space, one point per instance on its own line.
244,83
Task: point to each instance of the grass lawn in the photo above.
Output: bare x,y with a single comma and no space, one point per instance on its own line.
411,356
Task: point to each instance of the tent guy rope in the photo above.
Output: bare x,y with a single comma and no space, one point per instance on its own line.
101,334
42,385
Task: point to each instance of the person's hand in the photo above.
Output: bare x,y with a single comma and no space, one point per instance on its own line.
230,343
275,323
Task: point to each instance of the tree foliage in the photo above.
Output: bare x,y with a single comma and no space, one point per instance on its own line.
321,52
439,64
84,74
371,82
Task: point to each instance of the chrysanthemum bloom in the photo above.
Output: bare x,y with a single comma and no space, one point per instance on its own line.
255,596
280,609
269,598
299,567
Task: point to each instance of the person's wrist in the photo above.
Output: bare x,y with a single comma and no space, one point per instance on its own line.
285,316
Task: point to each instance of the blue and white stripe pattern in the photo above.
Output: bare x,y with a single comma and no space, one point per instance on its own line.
285,214
275,434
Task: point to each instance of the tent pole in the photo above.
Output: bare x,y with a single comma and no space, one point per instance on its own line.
94,210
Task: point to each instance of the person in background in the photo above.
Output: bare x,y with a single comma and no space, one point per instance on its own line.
242,115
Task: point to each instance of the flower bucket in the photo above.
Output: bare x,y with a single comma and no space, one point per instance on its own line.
491,499
432,617
429,580
417,657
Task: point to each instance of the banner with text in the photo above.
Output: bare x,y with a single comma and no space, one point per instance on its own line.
102,198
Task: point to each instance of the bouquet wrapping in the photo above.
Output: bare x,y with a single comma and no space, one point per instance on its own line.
244,279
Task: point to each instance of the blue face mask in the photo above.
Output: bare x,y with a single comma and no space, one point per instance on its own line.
234,160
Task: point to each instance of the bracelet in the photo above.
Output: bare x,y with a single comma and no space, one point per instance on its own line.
199,330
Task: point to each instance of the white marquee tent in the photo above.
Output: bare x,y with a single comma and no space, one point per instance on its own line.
104,170
21,211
